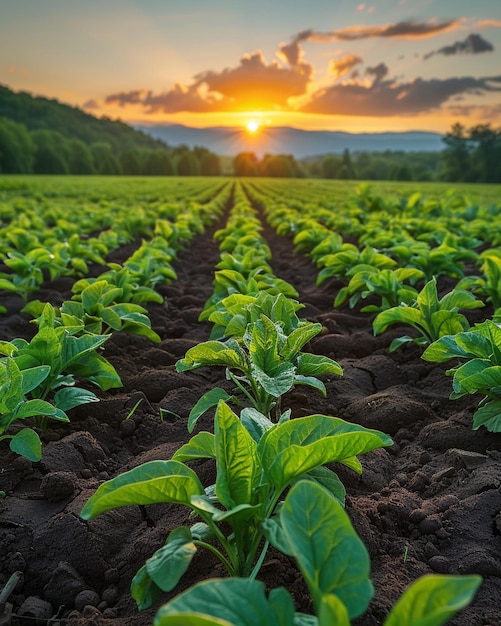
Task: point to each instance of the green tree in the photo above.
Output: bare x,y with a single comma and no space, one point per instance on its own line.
188,164
486,154
158,163
456,156
80,159
51,152
17,150
130,161
330,166
346,171
245,164
105,161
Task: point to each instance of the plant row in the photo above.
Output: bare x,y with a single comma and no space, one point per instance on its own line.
274,481
400,280
38,378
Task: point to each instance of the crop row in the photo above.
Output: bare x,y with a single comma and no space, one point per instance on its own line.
273,483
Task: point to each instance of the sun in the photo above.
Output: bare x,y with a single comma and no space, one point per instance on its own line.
252,126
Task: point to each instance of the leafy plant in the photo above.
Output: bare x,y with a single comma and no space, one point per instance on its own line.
479,350
256,461
99,313
15,387
335,565
29,271
269,358
340,263
488,285
430,316
386,284
62,357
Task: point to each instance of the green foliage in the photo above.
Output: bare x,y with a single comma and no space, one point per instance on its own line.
268,355
386,284
254,467
335,566
479,350
430,316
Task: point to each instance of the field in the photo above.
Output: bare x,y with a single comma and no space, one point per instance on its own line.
428,504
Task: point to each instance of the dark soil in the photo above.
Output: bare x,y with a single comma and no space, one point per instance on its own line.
431,503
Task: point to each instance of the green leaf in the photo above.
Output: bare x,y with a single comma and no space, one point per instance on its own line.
33,377
397,315
70,397
329,553
34,408
255,422
226,353
201,446
263,345
152,482
206,402
277,384
170,562
329,480
298,338
235,601
332,611
237,461
97,370
316,364
433,600
143,589
294,448
489,415
27,443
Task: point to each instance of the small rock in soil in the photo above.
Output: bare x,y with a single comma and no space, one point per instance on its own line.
57,486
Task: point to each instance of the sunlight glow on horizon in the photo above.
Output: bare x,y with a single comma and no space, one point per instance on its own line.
253,126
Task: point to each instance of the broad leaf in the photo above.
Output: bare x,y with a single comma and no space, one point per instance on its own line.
27,443
489,415
201,446
315,364
70,397
236,601
206,402
171,561
237,461
329,553
156,481
433,600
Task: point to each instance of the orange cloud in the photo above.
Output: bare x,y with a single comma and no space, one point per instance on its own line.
487,23
343,66
253,84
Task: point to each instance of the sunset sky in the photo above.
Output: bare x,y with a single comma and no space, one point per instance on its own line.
385,65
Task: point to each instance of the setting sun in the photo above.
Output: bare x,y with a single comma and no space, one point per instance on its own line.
252,126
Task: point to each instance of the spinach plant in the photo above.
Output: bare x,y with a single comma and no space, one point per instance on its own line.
63,357
256,461
479,370
430,316
317,532
15,404
386,284
269,359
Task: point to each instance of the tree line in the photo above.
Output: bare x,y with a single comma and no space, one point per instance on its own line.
50,152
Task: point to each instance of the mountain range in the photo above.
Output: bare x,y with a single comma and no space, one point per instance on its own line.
284,140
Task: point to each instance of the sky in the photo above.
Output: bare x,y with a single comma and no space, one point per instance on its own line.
377,66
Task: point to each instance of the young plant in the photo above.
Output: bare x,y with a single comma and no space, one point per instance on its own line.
98,313
479,351
269,360
317,532
430,316
386,284
255,463
65,357
340,263
488,285
15,404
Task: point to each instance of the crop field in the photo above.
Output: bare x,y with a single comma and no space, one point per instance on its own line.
221,387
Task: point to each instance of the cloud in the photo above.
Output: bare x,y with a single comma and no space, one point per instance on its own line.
252,84
91,105
389,98
473,44
410,29
343,66
378,71
488,23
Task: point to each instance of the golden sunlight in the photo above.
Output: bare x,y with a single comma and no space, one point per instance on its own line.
252,126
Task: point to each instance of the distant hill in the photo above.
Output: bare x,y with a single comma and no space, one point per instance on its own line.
284,140
38,113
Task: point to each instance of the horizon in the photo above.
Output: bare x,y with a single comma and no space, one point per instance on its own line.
379,67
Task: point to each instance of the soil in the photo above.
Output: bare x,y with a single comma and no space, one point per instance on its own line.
429,504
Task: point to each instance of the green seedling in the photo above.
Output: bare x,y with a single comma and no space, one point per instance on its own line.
430,316
256,461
